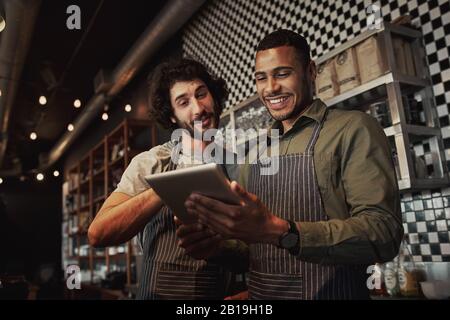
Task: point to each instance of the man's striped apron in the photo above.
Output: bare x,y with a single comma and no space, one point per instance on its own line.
293,194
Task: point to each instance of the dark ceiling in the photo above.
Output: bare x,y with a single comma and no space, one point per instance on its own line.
61,65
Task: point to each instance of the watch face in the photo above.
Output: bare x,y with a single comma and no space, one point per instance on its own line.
289,241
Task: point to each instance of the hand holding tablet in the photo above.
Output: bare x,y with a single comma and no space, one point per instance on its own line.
175,186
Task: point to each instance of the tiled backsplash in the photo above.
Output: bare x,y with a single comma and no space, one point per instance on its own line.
426,219
224,35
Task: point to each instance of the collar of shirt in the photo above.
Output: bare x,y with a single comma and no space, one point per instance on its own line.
314,112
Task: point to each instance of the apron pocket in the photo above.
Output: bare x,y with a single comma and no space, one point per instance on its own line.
268,286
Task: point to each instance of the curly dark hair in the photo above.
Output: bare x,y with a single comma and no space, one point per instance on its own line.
166,74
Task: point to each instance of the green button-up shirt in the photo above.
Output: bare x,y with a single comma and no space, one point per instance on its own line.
357,182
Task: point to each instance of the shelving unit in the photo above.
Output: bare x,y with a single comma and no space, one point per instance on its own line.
87,185
392,87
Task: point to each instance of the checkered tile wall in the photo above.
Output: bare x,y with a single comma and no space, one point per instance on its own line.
225,32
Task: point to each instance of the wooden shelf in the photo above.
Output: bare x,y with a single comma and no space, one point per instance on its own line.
84,207
73,190
100,198
98,171
99,181
116,161
72,213
120,255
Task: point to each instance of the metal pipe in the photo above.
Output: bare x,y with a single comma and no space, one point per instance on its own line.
20,19
171,18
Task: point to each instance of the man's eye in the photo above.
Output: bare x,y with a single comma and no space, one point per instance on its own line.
183,103
201,95
260,78
282,74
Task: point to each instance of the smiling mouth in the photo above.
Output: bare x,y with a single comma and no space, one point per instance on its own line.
278,102
205,121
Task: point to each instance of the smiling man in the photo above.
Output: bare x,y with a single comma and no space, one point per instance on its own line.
182,95
333,206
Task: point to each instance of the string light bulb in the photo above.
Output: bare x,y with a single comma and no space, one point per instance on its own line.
77,103
42,100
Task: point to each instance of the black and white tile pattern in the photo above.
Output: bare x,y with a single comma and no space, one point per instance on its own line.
224,35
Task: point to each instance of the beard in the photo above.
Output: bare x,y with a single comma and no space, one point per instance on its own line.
194,132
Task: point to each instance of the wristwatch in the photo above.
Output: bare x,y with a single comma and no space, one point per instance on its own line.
290,240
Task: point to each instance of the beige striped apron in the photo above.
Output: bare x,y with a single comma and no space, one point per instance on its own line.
167,272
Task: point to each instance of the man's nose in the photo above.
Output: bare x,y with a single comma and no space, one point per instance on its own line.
198,107
272,86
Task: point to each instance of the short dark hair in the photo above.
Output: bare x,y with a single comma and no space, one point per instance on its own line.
166,74
284,37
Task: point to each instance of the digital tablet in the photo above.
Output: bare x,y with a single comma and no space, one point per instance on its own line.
175,186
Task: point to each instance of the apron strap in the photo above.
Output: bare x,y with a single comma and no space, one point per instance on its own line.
315,134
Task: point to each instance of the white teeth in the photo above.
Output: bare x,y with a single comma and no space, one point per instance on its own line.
275,101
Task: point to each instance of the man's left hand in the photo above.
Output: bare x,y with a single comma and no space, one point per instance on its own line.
249,221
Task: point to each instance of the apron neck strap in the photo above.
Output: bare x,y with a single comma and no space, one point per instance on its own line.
316,132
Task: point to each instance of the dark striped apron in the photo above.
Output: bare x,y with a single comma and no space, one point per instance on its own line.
167,272
293,194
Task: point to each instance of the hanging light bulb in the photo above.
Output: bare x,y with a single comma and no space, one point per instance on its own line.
105,112
77,103
128,108
42,100
33,136
70,127
39,177
56,173
1,180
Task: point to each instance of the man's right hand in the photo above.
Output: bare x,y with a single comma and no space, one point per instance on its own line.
198,241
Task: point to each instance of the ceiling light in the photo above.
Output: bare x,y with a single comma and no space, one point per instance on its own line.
2,23
42,100
77,103
1,180
40,177
70,127
56,173
128,108
33,136
105,116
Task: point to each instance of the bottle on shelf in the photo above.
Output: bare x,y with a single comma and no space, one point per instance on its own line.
410,274
391,278
380,111
420,166
379,289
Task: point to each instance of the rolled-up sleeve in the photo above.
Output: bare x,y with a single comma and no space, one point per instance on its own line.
373,230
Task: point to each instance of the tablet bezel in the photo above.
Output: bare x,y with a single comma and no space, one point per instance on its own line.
174,186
